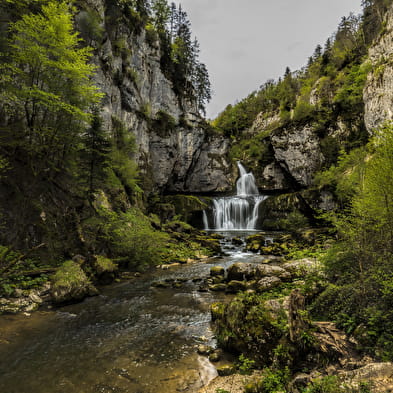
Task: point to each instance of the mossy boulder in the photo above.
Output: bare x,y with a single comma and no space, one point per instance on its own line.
248,325
217,271
267,283
70,284
217,311
235,286
240,271
226,370
185,206
218,287
105,269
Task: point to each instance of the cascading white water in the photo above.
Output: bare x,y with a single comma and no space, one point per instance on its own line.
239,212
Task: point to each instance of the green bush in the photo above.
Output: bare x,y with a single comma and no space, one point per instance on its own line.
128,237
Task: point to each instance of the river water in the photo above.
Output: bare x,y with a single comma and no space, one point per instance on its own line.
132,338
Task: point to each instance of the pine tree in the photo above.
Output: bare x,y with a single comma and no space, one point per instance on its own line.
94,155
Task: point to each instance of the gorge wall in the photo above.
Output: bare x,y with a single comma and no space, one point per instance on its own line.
174,151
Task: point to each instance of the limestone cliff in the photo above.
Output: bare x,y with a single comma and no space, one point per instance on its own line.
378,92
174,152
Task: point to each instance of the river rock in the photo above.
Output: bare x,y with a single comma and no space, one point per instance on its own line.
267,283
240,271
380,375
272,270
235,286
204,350
216,355
218,279
217,271
70,284
218,287
301,267
161,284
225,370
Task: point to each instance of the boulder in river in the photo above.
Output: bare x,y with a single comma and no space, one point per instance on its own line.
70,284
217,271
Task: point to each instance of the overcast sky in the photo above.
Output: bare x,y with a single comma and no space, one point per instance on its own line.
245,42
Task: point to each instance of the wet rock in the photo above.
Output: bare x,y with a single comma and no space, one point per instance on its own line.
218,280
268,283
35,298
161,284
16,305
226,370
204,350
218,287
217,271
203,288
216,356
235,286
237,241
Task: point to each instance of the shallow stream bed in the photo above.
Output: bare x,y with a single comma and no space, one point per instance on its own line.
132,338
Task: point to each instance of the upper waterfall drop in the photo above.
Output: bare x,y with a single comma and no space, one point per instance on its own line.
245,185
239,212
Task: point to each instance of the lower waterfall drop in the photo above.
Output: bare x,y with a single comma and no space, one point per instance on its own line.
239,212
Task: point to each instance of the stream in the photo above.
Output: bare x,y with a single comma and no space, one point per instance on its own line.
132,338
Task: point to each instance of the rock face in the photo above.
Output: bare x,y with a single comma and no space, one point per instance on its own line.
298,153
378,92
174,152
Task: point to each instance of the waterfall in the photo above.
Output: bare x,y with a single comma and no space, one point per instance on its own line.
239,212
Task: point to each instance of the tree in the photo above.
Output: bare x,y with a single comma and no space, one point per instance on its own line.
161,15
48,86
94,155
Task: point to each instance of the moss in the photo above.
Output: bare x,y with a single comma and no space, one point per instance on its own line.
70,283
186,205
104,265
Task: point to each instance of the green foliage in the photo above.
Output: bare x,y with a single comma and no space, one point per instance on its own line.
350,95
294,221
359,265
250,327
245,365
303,111
128,238
90,26
46,76
332,384
163,123
272,381
68,275
346,176
122,164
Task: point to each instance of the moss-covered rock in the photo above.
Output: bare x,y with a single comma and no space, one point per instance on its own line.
70,284
217,271
105,269
235,286
226,370
249,326
217,311
218,287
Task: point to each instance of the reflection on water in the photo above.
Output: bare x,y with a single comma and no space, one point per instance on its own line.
132,338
